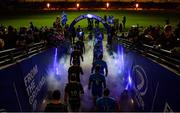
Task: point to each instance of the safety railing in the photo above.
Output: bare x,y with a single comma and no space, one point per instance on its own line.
162,56
10,56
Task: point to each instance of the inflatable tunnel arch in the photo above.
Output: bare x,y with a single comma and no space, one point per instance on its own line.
93,16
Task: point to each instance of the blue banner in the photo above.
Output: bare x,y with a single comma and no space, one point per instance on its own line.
34,73
23,85
156,87
12,96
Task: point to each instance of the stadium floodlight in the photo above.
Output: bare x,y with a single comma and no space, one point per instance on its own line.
77,5
107,5
48,5
137,5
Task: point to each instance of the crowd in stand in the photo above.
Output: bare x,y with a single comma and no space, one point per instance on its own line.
160,37
10,37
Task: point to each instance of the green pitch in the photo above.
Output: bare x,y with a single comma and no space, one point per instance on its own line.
143,18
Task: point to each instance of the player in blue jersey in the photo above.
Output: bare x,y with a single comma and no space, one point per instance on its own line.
106,103
96,83
96,53
102,64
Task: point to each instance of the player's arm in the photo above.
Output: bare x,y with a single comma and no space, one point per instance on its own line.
106,69
71,58
90,82
81,71
81,89
66,94
47,109
84,48
82,57
97,106
92,69
104,82
69,73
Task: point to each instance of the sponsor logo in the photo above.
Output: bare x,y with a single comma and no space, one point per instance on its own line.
167,108
140,79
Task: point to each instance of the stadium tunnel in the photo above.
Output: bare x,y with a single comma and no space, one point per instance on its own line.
146,78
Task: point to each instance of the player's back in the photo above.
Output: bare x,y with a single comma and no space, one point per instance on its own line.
56,108
76,54
75,70
102,65
74,90
97,81
106,104
80,45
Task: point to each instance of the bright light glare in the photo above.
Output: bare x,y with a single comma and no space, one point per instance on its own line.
107,5
137,5
48,5
89,16
77,5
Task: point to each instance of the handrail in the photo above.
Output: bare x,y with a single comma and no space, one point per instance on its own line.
12,55
161,56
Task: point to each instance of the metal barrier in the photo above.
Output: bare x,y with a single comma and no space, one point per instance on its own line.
165,57
13,55
161,56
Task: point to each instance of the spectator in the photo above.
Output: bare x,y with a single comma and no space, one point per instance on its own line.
56,104
75,70
120,27
96,23
167,39
10,38
96,83
67,34
124,22
177,35
30,37
1,44
106,103
78,29
167,21
31,26
36,35
105,18
73,92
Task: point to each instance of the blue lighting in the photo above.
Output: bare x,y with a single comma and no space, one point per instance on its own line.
89,15
56,68
120,59
129,80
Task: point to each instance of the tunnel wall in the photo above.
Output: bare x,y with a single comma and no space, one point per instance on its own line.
156,88
23,85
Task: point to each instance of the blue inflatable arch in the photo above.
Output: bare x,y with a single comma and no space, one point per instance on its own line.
84,16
